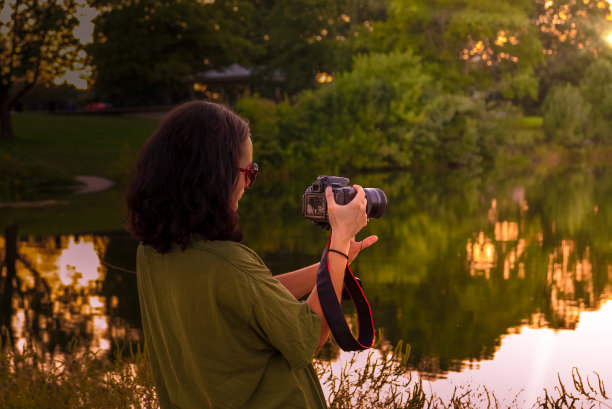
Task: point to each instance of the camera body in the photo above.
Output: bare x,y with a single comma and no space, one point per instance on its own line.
314,204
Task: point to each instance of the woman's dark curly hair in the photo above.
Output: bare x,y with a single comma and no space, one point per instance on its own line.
184,177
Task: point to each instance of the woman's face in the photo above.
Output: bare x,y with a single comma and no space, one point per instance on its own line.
246,157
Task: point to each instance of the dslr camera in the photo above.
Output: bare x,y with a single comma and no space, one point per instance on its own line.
314,205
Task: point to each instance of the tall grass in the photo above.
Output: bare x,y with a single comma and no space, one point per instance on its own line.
86,380
78,380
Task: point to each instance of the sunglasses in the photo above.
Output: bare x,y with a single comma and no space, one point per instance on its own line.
250,173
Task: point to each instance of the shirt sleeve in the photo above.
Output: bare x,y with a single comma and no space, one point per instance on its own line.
288,325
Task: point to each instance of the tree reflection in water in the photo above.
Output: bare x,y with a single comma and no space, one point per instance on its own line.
53,291
463,260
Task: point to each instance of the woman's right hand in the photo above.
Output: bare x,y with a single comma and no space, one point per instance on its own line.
347,220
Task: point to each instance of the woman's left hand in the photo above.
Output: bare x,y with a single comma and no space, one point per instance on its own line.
357,246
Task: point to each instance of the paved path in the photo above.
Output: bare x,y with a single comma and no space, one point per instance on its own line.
94,184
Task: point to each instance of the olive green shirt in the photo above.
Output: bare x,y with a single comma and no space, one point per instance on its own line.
222,332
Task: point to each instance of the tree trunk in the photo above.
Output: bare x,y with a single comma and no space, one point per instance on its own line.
6,125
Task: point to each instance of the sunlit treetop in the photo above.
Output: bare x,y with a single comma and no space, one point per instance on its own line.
37,43
487,45
581,24
489,54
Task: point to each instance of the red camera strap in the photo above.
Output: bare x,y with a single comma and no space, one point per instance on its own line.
333,310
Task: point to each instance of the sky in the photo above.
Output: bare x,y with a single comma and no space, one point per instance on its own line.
84,32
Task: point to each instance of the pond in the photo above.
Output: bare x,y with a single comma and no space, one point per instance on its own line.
500,279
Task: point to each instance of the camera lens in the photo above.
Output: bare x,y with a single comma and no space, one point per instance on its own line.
377,202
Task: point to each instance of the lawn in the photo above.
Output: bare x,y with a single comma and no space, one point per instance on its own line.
48,152
77,145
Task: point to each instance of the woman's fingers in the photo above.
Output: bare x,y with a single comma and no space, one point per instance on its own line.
363,244
368,241
357,246
329,197
348,219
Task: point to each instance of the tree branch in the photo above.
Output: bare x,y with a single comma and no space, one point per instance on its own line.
28,86
14,42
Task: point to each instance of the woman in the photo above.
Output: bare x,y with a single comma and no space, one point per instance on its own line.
220,330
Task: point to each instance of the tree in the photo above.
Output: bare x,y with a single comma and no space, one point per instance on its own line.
145,51
364,119
573,36
473,46
305,37
36,45
596,89
566,116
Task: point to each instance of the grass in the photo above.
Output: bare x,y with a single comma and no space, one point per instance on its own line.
86,380
80,380
530,122
95,212
50,150
77,145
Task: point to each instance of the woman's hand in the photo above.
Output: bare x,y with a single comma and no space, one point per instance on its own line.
357,246
347,220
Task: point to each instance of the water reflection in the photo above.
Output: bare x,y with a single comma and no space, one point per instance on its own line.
530,359
463,264
54,291
569,270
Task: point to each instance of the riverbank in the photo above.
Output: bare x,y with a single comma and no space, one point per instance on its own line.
88,380
51,150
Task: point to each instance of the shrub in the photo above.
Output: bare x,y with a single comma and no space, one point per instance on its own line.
566,116
19,180
264,115
461,131
364,119
387,113
596,90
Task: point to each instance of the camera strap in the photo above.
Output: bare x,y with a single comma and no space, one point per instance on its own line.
333,310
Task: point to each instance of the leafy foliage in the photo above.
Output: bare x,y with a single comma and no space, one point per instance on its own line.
486,46
596,89
264,116
364,119
305,37
145,51
19,180
574,114
36,45
388,113
566,115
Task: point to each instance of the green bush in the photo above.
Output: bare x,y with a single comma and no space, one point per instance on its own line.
575,115
364,119
385,113
460,131
596,90
566,116
264,115
19,181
